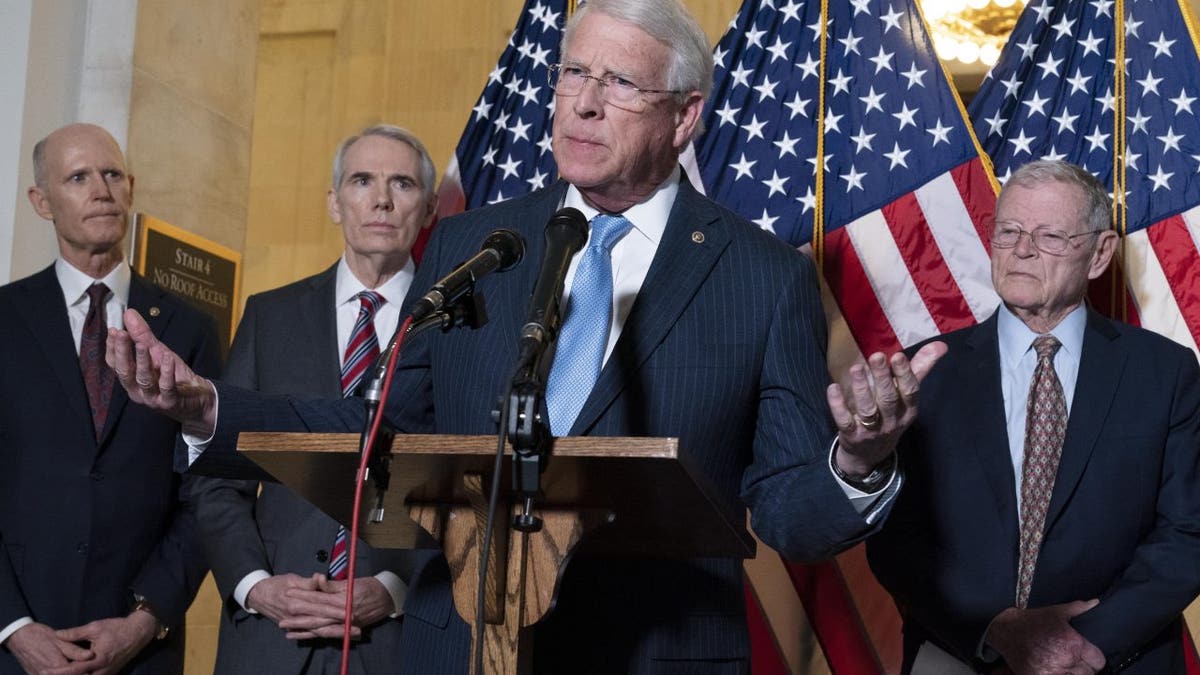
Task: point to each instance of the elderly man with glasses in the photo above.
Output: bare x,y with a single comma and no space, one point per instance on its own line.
1051,522
681,320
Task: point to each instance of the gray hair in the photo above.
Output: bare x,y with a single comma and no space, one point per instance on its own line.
428,172
39,163
1097,208
669,22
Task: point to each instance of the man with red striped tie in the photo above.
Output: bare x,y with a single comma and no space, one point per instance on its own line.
281,564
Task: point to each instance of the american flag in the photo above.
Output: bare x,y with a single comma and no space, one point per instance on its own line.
905,196
903,207
504,151
1054,93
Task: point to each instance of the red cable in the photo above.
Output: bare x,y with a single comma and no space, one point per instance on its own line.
358,489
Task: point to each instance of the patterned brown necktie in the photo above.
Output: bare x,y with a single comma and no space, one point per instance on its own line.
1045,428
97,376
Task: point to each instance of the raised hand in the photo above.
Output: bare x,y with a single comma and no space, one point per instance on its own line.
878,404
157,378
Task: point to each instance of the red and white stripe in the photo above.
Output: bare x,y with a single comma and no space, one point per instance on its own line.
917,267
1162,263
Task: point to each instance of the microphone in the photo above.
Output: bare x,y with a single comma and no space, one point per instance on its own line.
501,251
566,233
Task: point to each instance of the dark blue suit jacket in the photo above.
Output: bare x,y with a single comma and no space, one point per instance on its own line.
724,349
83,524
286,343
1124,518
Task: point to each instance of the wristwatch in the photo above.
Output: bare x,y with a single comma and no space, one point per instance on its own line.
140,604
871,482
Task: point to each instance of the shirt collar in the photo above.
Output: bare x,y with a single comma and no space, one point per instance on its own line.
1016,338
648,217
75,283
393,290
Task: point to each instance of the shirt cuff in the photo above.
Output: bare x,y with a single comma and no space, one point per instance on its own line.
396,588
861,501
243,588
196,445
14,627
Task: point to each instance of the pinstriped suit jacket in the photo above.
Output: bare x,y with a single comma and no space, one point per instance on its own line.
724,349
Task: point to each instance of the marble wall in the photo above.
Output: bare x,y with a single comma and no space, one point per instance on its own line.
192,112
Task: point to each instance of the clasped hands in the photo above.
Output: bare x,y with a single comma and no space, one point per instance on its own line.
111,644
876,405
314,607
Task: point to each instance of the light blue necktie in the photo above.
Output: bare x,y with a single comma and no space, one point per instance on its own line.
584,333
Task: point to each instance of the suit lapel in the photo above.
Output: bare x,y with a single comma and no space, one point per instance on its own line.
983,407
680,266
317,312
1100,369
46,316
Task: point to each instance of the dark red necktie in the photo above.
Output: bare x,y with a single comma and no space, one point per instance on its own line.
97,376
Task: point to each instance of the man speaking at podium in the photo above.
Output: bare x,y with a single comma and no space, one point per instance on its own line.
681,319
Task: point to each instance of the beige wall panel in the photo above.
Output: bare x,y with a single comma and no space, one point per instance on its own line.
360,66
190,114
288,233
190,161
299,16
203,625
440,59
202,50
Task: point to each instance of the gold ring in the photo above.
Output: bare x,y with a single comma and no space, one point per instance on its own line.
869,422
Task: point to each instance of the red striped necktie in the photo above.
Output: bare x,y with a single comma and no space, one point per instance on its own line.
361,351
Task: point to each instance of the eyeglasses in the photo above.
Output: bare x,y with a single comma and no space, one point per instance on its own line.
1006,235
568,80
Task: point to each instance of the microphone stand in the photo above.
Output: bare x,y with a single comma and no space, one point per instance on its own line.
530,437
469,311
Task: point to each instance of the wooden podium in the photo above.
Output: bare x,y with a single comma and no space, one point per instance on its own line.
627,497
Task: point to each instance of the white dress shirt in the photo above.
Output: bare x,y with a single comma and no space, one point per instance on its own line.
75,284
387,318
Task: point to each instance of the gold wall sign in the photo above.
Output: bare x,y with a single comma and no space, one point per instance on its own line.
202,272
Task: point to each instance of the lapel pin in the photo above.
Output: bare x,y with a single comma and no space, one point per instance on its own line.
698,237
154,311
